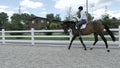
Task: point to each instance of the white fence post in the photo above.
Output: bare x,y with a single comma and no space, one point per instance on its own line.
32,36
3,36
70,34
119,36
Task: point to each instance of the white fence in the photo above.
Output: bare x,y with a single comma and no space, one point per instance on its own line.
6,34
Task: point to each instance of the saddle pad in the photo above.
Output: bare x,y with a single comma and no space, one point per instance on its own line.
83,26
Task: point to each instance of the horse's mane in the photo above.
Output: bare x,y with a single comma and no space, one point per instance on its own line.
66,22
74,22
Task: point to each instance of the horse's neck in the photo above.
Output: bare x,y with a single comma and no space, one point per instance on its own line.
72,27
74,30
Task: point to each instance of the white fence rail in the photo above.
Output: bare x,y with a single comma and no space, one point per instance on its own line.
6,34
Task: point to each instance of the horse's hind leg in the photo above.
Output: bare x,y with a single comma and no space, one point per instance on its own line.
71,42
82,43
96,40
105,41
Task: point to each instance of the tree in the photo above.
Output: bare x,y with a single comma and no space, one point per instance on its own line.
57,17
90,17
20,21
16,22
25,19
115,22
50,18
111,22
51,24
106,20
3,19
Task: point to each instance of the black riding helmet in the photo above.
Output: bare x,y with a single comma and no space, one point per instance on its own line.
80,7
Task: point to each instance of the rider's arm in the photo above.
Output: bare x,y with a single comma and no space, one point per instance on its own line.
77,16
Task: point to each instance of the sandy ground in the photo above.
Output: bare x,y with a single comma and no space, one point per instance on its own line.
13,56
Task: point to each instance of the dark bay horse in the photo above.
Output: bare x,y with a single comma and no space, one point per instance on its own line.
95,27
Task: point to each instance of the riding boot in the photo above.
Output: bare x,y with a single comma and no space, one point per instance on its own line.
79,32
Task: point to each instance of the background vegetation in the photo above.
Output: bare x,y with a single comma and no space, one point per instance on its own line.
20,21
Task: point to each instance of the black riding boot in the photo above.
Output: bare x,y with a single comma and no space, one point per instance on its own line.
78,30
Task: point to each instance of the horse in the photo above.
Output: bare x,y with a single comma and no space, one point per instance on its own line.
95,27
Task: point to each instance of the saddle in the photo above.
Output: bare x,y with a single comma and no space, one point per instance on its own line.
83,26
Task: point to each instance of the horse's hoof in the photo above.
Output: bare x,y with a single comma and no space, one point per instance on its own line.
85,49
68,48
108,50
91,48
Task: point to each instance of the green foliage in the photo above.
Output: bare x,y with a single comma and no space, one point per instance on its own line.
90,17
25,19
51,18
16,22
108,21
111,22
20,21
57,17
3,19
53,26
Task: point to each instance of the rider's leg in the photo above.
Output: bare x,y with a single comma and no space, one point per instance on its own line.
79,24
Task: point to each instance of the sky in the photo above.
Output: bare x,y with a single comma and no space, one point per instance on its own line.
42,7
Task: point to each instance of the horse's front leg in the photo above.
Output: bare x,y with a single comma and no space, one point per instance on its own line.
82,43
71,42
96,40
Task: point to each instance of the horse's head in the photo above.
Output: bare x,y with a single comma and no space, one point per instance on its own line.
68,24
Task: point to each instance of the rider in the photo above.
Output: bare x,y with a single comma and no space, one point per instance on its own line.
82,20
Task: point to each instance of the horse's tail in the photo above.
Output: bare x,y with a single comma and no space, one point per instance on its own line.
109,32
